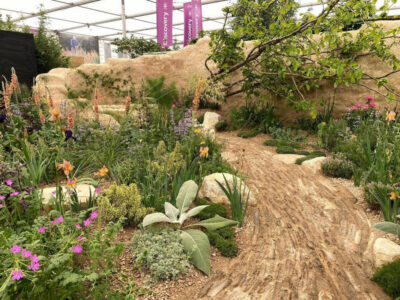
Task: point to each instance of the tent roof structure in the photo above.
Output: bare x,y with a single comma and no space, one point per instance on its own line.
103,18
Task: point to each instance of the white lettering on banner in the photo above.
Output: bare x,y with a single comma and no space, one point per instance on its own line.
165,41
190,29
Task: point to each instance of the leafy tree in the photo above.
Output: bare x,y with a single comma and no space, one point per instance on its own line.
137,46
48,49
7,24
291,56
267,14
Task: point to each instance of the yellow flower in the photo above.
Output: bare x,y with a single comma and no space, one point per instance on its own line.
202,142
204,152
102,172
198,130
71,183
66,166
393,196
390,116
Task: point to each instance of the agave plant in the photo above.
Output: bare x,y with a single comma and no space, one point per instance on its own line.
194,241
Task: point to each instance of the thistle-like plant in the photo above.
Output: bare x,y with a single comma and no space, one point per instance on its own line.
194,241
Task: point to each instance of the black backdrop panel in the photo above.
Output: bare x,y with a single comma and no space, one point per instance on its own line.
17,50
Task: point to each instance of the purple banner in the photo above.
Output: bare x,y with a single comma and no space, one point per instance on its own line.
187,11
164,22
197,18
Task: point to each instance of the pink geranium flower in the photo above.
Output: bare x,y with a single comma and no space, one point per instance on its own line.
366,106
42,229
2,197
87,222
15,249
14,194
94,215
77,248
80,238
9,182
369,99
17,275
57,220
358,105
34,266
78,226
98,190
373,104
25,253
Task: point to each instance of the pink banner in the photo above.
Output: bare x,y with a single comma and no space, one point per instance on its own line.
164,22
197,18
187,11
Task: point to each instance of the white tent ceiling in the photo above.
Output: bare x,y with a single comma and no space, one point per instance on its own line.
80,19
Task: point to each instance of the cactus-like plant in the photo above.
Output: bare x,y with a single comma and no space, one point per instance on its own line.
194,241
389,227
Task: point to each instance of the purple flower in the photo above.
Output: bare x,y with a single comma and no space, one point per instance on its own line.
25,253
17,275
98,190
2,197
78,226
54,192
34,266
77,248
3,118
94,215
14,194
57,220
80,238
87,222
42,229
9,182
15,249
31,188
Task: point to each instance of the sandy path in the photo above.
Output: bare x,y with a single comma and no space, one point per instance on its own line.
304,239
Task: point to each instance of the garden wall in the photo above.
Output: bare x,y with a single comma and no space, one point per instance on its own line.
180,66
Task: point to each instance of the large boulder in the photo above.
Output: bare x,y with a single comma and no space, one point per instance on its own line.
210,120
211,190
314,164
385,251
83,191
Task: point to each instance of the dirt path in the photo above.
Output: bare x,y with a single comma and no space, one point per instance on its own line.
305,238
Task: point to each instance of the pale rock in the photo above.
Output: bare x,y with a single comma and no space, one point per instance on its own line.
385,251
210,120
287,158
211,190
83,191
314,164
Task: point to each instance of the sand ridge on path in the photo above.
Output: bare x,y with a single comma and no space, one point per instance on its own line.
304,239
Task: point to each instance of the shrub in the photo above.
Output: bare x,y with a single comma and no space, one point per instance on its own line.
200,119
318,153
302,152
373,189
332,134
285,150
272,143
161,253
212,209
312,155
122,201
221,126
388,278
337,167
248,134
223,240
279,143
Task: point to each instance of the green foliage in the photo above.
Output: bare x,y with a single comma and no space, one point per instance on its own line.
311,155
260,117
158,93
161,253
195,242
211,210
137,46
248,134
303,152
48,49
200,119
275,63
373,189
61,271
221,126
388,278
122,201
282,143
236,194
285,150
286,134
337,167
166,162
223,240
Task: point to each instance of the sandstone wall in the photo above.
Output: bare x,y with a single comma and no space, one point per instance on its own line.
180,66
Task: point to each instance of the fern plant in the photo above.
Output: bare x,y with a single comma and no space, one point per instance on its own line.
195,242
